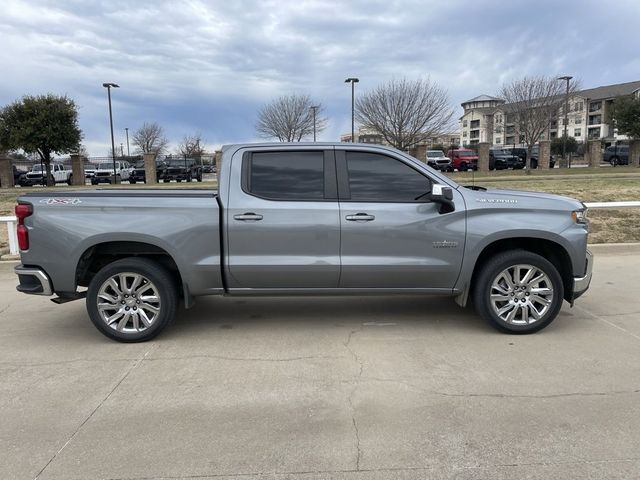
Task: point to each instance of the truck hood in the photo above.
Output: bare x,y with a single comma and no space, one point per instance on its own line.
527,199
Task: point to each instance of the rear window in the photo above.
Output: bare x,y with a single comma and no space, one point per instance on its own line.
285,175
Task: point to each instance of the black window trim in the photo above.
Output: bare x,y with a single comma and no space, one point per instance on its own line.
329,168
344,190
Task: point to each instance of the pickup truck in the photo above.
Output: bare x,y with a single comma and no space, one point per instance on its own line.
305,219
60,174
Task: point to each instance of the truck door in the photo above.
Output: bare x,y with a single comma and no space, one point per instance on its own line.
392,236
283,224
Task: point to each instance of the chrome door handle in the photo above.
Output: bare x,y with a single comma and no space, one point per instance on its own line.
249,216
360,217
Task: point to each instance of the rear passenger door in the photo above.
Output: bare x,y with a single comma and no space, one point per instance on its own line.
392,236
283,224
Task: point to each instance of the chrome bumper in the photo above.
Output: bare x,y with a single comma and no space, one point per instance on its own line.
33,281
581,284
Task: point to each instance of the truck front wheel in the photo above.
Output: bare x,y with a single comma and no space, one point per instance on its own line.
518,292
132,300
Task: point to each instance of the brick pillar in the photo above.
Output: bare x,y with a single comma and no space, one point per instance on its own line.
150,168
6,172
544,154
483,156
77,170
595,153
420,152
634,153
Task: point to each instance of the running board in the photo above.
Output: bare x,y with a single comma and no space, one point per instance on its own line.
69,298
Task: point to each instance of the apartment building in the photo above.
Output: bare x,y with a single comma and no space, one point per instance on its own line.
489,119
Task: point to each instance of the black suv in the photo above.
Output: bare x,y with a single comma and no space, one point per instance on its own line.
616,155
502,158
522,153
138,173
179,169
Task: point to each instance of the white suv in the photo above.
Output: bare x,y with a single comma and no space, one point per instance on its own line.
104,172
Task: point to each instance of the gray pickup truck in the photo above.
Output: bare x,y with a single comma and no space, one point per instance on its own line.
305,219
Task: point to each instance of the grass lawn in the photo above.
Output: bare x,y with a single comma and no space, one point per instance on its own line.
588,185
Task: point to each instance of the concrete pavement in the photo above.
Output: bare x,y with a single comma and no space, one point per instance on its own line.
325,388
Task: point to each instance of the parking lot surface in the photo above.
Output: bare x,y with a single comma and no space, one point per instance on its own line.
325,388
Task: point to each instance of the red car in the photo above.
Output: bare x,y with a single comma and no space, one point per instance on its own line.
463,159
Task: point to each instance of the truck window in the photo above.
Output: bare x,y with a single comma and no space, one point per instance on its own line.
285,175
378,178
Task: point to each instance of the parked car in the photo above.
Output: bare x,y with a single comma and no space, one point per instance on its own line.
616,155
138,173
89,171
501,159
60,173
17,173
522,153
209,169
438,160
180,169
290,219
463,159
104,172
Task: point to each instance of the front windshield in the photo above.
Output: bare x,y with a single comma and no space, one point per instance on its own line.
467,154
435,153
37,168
105,166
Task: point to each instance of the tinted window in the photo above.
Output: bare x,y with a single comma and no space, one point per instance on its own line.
378,178
287,175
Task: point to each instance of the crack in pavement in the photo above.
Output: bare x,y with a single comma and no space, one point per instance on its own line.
245,359
347,345
604,320
63,362
77,430
389,470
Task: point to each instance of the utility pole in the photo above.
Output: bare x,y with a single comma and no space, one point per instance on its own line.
566,118
313,109
109,86
127,132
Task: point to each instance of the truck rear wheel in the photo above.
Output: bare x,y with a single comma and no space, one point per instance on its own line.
132,300
518,292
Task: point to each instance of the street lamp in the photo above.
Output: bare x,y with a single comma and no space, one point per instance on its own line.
566,117
313,109
352,81
109,86
127,132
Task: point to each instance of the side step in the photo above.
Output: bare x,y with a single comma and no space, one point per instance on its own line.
69,297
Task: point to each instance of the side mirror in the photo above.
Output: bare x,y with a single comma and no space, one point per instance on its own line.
442,195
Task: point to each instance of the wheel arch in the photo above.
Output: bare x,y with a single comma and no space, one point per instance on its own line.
553,251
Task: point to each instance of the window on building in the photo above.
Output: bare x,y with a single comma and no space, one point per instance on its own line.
498,118
593,133
577,132
464,134
475,124
498,140
553,135
510,140
577,120
577,106
464,123
554,123
378,178
595,119
595,106
285,175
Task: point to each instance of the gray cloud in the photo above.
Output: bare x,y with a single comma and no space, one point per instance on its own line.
208,66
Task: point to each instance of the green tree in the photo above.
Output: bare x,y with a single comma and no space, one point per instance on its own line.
625,113
556,145
42,125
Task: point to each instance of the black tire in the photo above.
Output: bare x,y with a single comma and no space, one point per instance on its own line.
534,163
70,180
614,161
482,290
463,167
200,177
161,280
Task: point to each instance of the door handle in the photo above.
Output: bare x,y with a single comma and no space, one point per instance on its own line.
360,217
249,216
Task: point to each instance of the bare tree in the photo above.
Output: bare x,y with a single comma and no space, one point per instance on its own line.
150,138
290,118
405,112
533,102
192,145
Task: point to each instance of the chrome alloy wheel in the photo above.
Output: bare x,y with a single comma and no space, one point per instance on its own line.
128,302
521,294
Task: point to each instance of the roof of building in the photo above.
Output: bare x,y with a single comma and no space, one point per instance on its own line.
483,98
610,91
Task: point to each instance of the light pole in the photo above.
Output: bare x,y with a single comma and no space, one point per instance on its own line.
127,132
109,86
352,81
121,150
566,118
313,109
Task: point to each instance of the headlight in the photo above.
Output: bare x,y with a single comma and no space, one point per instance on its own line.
579,216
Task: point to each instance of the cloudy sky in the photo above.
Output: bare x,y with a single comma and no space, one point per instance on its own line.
207,66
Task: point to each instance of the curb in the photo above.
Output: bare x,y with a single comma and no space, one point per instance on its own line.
610,248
